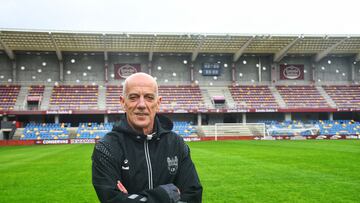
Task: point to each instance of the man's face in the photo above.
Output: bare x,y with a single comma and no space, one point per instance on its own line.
141,103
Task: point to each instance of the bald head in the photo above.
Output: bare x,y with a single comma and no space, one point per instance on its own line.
140,78
140,101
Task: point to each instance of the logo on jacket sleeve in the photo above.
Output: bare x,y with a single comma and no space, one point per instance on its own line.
172,164
126,165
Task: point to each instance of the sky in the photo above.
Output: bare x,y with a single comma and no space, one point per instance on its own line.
286,17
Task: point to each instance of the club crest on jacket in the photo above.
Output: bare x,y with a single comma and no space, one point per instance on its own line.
172,164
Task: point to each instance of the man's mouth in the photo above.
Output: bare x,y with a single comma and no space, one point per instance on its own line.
141,114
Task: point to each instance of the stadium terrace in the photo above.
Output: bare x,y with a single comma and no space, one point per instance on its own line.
58,85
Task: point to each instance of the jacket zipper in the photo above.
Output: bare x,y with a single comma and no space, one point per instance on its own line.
148,163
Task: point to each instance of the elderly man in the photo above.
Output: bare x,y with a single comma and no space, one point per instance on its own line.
141,159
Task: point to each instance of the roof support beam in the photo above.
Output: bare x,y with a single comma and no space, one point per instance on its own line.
280,55
324,53
106,57
195,53
57,50
242,49
357,57
8,51
151,53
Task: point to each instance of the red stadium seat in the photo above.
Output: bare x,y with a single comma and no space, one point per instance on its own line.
255,96
74,97
344,96
304,96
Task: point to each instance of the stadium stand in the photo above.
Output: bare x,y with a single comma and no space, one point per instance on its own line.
39,131
181,98
36,90
35,96
8,96
74,97
93,130
339,127
253,97
173,97
344,96
184,128
113,93
312,127
217,83
302,96
290,128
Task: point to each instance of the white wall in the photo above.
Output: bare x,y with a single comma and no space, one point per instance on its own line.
5,68
80,66
169,65
356,71
247,69
33,62
330,74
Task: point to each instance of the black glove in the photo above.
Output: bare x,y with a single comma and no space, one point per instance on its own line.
172,191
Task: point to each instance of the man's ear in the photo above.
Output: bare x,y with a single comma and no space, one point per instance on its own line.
122,100
158,103
159,100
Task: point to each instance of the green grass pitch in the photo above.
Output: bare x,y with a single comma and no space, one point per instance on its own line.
230,171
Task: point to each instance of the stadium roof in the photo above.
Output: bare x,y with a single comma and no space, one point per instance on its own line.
318,46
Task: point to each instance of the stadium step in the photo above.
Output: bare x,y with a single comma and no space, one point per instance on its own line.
277,97
46,97
102,97
18,133
233,129
211,91
21,99
326,97
206,98
229,99
207,130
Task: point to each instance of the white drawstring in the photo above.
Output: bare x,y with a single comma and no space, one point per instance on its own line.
150,136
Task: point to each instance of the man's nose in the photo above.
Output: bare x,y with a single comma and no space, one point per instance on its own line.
141,103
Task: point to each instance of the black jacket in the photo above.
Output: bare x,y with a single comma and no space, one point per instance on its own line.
146,167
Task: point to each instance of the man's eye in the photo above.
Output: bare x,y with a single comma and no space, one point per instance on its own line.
149,97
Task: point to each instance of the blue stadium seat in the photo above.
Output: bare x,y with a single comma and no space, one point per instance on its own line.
41,131
184,128
325,127
93,130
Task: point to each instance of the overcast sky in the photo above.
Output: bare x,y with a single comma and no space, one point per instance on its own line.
185,16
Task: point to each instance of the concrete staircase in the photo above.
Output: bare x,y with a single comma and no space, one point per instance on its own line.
211,91
208,130
328,99
102,97
20,103
229,99
215,91
46,98
207,99
278,97
18,133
